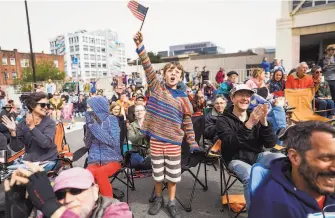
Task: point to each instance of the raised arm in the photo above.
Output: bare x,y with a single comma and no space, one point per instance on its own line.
150,75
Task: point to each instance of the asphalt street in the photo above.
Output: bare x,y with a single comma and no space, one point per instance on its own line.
205,204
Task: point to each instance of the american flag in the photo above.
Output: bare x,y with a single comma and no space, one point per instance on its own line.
138,10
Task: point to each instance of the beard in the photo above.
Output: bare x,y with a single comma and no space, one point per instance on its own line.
310,175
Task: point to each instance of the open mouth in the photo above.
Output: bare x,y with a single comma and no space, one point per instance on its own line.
172,79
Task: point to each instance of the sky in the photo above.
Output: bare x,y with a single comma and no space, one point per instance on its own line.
232,24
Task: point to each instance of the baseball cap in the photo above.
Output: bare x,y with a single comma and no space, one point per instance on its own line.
231,73
76,177
241,87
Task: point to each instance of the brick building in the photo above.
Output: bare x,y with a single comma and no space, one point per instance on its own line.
12,64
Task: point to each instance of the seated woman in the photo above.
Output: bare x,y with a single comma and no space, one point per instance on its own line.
323,98
211,117
102,138
135,135
198,103
277,83
35,133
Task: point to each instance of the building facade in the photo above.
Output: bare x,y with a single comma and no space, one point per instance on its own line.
304,30
13,64
90,54
196,48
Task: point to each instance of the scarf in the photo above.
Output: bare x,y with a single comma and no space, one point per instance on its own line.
107,129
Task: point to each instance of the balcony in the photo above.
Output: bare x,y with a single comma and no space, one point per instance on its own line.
310,3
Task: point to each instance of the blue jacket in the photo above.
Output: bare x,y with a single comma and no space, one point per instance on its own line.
266,66
277,197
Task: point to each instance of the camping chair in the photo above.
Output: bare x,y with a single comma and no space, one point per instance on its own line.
188,161
302,100
65,157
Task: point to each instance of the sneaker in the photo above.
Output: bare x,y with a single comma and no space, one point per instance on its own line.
174,212
156,206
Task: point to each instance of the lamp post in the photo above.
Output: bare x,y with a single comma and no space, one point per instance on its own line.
31,46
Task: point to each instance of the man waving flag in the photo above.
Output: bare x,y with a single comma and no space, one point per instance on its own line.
138,10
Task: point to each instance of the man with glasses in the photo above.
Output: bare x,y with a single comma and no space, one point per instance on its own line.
74,194
137,138
323,97
131,110
302,184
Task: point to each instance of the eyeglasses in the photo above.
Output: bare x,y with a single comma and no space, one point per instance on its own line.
60,194
43,105
139,111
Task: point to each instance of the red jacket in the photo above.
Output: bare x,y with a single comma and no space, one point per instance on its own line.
294,82
220,77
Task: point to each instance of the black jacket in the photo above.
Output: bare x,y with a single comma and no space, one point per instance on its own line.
241,143
210,124
81,106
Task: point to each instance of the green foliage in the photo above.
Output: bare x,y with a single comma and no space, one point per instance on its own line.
44,70
154,58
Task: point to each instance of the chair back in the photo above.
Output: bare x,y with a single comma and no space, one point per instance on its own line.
198,126
301,100
62,147
257,177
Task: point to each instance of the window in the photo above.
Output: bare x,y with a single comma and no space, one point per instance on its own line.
87,65
14,75
92,41
103,50
98,49
104,65
92,65
85,47
92,57
103,57
24,63
99,65
98,41
71,49
56,63
4,61
77,47
85,56
94,73
12,61
105,73
102,42
98,57
87,73
92,49
6,74
84,39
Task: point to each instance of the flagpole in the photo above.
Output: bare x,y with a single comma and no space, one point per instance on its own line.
31,46
144,18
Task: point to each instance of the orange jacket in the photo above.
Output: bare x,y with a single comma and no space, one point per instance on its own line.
294,82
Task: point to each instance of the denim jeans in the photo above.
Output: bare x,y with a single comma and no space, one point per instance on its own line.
243,170
324,104
277,118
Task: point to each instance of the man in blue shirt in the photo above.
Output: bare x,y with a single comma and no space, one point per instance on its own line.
301,185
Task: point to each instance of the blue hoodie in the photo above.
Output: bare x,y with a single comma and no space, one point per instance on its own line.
266,66
277,197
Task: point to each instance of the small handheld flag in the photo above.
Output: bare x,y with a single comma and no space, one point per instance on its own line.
138,10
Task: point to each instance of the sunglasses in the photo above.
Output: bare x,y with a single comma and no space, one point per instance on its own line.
43,105
60,194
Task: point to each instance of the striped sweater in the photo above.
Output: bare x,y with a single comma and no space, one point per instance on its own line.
169,112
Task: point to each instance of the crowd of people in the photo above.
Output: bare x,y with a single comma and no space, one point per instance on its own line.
247,117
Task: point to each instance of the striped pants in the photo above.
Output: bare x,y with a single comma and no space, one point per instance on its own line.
165,160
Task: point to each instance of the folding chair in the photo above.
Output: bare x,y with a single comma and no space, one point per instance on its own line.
188,161
216,151
65,157
303,102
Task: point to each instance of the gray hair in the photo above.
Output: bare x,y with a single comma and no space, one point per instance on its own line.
299,136
140,107
300,64
219,96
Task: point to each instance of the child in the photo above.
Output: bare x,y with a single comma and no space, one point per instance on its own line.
167,119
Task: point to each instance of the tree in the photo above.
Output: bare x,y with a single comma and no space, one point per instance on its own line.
154,58
44,70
